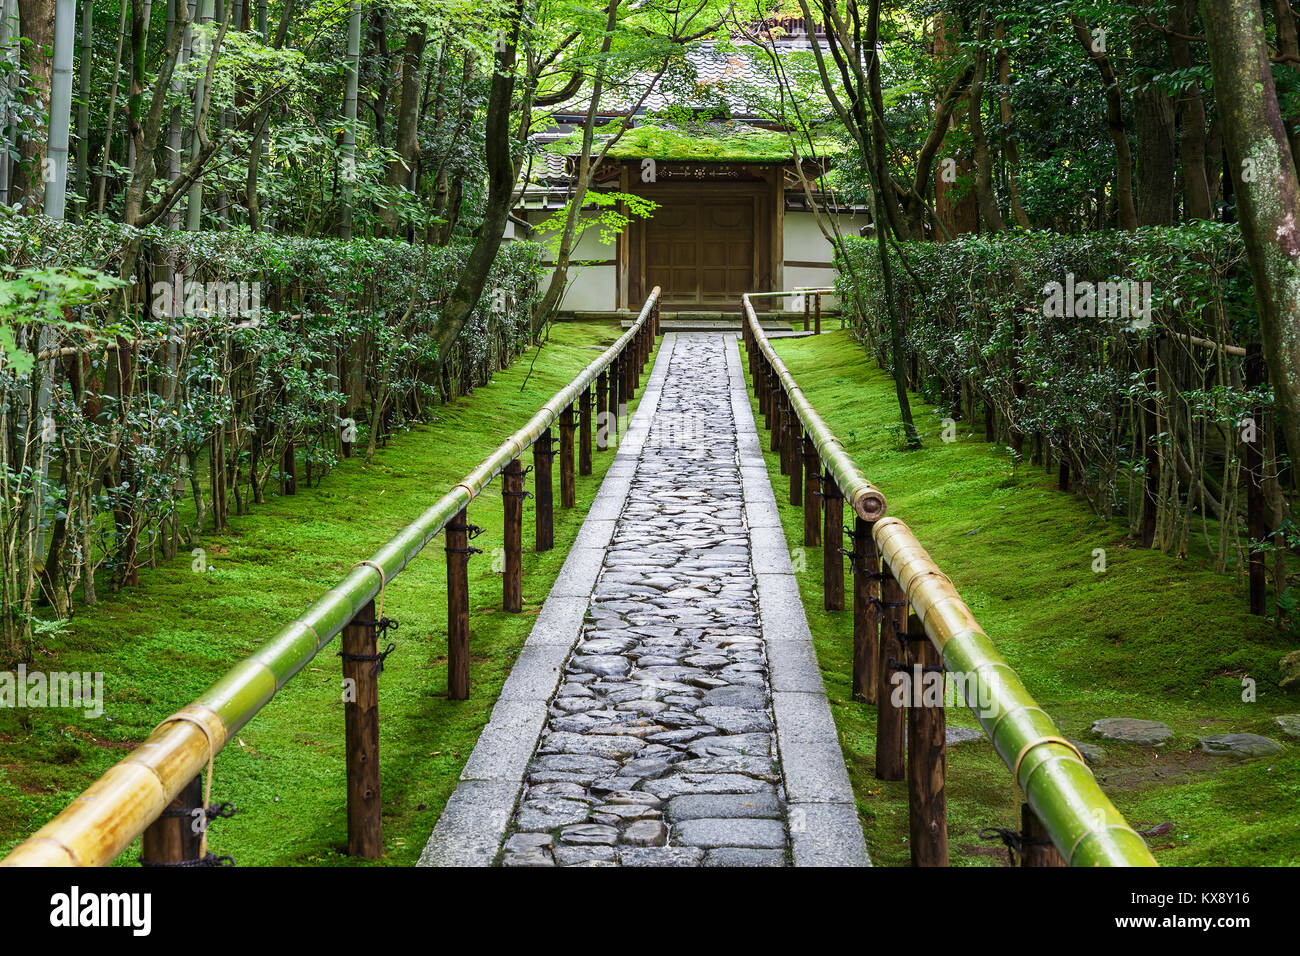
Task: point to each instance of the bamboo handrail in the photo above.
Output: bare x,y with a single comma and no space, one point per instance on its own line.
863,497
1059,787
101,823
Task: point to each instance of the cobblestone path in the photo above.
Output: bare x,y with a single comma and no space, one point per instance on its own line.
658,748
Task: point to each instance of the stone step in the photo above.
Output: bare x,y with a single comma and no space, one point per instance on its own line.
778,323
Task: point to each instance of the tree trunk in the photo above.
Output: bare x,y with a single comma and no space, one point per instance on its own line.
1268,194
501,182
1197,199
1115,122
408,120
988,204
36,18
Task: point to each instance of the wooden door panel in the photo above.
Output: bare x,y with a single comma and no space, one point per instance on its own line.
702,252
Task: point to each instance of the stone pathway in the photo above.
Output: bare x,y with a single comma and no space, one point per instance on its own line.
659,748
658,738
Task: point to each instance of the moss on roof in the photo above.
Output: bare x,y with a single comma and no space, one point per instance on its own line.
719,142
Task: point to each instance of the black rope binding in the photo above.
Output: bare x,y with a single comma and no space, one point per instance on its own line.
472,531
1014,841
381,627
377,658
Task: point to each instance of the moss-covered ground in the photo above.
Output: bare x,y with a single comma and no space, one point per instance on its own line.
1152,637
159,645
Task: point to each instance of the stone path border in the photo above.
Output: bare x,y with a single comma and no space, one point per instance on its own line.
822,814
472,826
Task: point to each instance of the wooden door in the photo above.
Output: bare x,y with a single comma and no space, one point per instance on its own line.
702,253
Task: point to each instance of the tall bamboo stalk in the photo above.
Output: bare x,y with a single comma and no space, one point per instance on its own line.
56,185
349,170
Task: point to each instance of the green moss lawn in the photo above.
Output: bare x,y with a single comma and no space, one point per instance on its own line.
161,644
1153,637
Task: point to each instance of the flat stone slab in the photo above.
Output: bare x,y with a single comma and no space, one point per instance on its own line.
1092,753
744,856
1290,724
710,833
724,806
1131,730
1240,745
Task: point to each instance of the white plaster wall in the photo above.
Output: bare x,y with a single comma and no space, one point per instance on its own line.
804,242
590,288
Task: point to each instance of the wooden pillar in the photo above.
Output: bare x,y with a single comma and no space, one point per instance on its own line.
568,488
512,581
817,315
1036,847
615,397
584,432
177,835
602,411
890,719
812,494
778,423
361,724
866,624
795,439
542,454
458,607
1254,461
769,400
832,541
628,389
926,754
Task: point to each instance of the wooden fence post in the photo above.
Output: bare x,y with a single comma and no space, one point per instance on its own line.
458,552
795,440
807,304
542,455
1036,847
615,399
832,542
778,423
926,752
361,668
890,719
1254,461
177,835
602,411
866,624
817,323
812,494
568,488
584,432
512,580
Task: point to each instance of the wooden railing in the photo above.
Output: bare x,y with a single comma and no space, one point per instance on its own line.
910,622
156,789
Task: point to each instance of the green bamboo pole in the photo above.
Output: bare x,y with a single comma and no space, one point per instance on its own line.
1058,786
114,810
